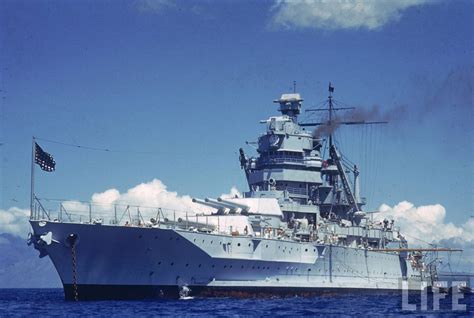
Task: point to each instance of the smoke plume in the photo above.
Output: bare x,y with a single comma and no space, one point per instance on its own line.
450,97
360,116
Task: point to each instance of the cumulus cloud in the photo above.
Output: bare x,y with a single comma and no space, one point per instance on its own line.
14,221
340,14
146,198
234,192
426,223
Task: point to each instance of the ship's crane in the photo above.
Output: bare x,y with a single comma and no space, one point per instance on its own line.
336,157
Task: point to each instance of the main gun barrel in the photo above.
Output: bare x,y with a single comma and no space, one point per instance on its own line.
209,204
236,205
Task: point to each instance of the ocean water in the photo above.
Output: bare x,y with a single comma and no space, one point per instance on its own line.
50,302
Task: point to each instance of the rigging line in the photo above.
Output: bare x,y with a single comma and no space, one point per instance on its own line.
96,148
107,149
347,160
418,239
375,149
377,158
341,103
320,104
367,166
324,148
371,160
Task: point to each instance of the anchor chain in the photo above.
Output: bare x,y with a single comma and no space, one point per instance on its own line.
72,241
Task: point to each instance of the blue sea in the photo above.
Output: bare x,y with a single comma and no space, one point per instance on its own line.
50,302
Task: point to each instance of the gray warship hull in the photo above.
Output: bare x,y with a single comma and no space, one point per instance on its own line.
118,262
299,230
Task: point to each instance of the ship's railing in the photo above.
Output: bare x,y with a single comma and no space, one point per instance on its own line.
284,159
88,212
124,215
295,190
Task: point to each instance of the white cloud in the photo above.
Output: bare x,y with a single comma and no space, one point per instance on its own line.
340,14
426,223
147,196
14,221
107,197
234,192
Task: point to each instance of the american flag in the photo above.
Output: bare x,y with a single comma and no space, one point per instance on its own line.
44,159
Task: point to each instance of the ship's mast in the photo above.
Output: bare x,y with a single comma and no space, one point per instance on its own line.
335,156
331,90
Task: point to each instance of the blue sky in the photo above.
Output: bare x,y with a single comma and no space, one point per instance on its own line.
188,81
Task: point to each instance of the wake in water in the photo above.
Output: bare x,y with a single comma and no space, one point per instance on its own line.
184,293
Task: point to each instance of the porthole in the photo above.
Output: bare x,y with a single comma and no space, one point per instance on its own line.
156,237
212,242
213,266
249,244
242,266
225,266
230,266
305,249
266,246
159,263
187,265
172,264
199,265
238,244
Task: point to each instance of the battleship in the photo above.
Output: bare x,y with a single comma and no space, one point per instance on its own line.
300,229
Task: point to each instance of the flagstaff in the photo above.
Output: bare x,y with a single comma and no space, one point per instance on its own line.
32,194
46,163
